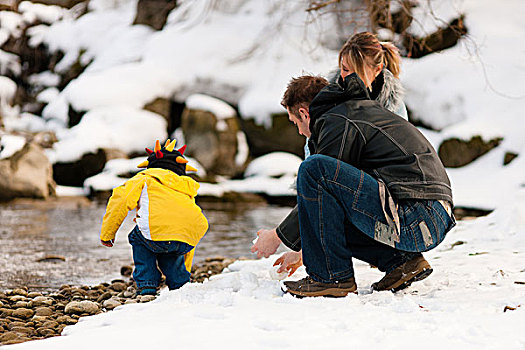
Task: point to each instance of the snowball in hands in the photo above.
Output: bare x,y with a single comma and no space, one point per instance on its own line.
274,275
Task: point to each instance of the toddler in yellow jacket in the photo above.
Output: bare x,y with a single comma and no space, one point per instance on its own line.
169,223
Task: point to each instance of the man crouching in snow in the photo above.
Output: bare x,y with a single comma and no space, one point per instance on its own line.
373,189
169,223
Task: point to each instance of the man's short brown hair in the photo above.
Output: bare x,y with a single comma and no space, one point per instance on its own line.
301,91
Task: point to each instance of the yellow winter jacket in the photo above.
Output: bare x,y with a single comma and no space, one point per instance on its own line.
166,209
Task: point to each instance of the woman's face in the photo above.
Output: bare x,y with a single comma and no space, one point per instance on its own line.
370,72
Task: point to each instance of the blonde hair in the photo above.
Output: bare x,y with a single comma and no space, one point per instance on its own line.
364,48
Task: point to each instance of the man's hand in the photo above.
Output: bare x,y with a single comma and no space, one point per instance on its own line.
267,243
289,261
107,243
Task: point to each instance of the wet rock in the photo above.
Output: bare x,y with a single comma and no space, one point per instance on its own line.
128,294
126,270
104,296
26,174
8,336
118,286
110,304
80,307
145,298
46,332
34,295
16,298
23,313
23,330
5,312
40,301
19,291
14,324
94,294
79,292
43,311
66,320
40,319
50,324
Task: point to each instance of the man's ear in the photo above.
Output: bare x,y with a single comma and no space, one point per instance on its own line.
304,113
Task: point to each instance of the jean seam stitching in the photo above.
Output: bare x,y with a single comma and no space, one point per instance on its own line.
321,230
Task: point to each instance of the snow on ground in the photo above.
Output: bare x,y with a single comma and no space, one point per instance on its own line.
460,306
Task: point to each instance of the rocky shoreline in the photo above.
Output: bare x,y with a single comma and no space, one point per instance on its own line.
29,315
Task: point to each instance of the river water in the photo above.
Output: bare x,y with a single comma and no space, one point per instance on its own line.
45,244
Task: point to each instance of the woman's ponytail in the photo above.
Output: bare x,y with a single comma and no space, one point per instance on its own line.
392,60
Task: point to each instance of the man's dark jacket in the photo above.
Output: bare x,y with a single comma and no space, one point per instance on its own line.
346,124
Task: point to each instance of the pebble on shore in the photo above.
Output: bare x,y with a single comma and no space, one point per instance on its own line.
29,315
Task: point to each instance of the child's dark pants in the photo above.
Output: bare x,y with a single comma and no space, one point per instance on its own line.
169,255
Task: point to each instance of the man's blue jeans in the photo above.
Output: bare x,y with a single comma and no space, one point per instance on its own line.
341,217
168,254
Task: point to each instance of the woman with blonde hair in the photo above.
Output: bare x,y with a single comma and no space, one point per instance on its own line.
378,65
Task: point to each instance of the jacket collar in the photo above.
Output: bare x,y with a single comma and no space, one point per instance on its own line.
352,88
183,184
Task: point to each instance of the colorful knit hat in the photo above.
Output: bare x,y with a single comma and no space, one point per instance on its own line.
168,158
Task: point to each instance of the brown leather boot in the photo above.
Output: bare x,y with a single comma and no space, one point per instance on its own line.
401,277
307,287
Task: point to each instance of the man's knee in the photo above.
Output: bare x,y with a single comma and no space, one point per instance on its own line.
315,165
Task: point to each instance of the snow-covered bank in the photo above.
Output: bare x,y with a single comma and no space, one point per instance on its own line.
460,306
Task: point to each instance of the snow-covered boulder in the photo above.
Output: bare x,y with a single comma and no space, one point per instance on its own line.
25,171
212,132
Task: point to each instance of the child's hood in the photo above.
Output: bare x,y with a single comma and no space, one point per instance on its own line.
183,184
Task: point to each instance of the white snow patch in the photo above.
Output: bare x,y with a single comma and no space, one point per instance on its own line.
274,164
25,122
243,151
219,108
109,177
32,12
46,79
9,62
124,128
10,144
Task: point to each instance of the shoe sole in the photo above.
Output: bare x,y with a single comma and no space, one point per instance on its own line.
420,276
331,292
